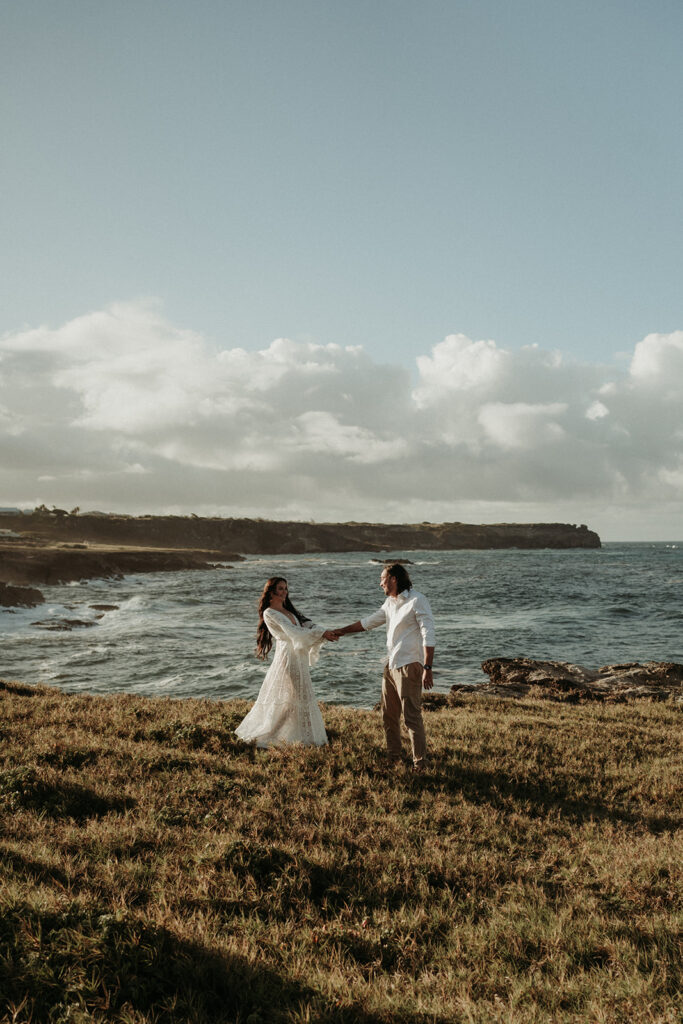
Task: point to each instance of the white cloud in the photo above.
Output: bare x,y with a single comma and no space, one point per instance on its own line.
458,365
121,409
323,433
521,424
597,410
658,361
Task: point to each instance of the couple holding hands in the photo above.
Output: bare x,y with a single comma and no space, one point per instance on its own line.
286,710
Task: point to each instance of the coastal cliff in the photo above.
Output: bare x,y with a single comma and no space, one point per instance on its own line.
263,537
49,547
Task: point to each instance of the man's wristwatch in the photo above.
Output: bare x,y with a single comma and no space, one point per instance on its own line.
428,667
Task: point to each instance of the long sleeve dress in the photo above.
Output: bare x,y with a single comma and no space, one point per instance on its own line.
286,710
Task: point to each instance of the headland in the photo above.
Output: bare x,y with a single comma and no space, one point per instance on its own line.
55,546
274,537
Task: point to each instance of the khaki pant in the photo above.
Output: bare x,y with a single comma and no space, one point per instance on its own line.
402,693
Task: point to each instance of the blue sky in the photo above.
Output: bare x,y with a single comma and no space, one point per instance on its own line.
381,174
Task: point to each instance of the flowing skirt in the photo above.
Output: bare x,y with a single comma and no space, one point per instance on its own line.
286,710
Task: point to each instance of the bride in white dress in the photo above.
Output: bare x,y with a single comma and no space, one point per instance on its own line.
286,710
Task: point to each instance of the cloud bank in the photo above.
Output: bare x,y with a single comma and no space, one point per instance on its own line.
121,410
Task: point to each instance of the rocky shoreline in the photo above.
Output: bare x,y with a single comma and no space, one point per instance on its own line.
25,564
573,684
522,678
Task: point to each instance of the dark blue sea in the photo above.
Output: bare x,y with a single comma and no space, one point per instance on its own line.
191,634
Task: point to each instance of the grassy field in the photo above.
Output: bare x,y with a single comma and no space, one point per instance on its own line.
153,868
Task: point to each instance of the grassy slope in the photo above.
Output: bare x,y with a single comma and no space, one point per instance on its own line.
155,869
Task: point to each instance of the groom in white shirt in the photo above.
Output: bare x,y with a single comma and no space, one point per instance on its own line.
408,667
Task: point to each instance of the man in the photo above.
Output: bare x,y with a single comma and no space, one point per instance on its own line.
408,667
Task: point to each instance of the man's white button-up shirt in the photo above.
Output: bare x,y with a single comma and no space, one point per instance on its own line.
410,627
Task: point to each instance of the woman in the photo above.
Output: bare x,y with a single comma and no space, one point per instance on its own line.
286,710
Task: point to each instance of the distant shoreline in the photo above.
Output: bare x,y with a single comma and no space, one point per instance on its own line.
262,536
51,547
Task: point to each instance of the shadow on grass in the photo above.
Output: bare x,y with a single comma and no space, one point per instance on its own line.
544,797
13,863
275,883
183,735
69,758
104,964
24,787
20,689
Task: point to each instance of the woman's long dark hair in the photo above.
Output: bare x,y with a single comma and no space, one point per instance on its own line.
264,640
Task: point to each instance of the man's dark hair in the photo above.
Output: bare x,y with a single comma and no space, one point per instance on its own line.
400,575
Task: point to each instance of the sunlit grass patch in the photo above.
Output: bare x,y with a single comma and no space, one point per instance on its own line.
154,868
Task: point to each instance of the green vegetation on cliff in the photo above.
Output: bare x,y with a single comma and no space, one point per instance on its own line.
153,868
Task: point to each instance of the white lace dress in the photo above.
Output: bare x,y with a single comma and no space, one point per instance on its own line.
286,710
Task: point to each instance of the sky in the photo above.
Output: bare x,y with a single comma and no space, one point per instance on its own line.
376,261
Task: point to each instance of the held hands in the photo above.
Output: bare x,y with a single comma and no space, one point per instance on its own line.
332,635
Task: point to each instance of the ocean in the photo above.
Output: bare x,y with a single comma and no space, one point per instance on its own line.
191,634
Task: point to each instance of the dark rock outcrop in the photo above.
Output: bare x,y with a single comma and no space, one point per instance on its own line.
392,561
47,565
19,597
64,625
562,681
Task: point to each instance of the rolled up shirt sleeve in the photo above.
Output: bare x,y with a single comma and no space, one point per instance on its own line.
425,620
374,620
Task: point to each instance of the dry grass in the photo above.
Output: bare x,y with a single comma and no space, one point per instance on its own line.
156,869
